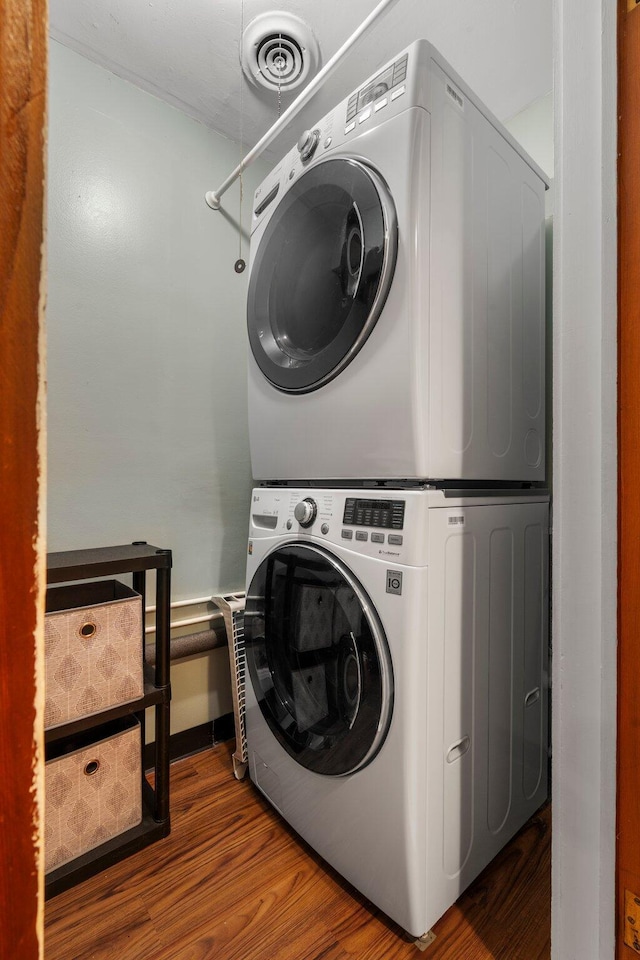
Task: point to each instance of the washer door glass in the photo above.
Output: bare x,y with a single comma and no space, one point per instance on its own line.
321,274
318,660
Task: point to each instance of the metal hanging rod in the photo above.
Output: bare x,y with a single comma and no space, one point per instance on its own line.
213,197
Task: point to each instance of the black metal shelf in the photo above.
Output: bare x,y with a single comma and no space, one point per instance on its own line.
138,559
105,561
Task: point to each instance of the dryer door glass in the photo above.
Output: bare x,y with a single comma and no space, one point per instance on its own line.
321,274
318,660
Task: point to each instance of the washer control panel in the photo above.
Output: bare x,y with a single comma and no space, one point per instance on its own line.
305,511
378,526
374,513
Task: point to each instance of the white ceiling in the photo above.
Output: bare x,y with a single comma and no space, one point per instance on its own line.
187,51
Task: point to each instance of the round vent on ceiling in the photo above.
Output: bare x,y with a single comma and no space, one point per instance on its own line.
279,51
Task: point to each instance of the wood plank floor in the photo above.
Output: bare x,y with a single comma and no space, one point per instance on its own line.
232,882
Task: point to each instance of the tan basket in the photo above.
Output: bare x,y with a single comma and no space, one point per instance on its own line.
93,649
93,793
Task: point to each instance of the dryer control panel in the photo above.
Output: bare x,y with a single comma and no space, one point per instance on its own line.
388,78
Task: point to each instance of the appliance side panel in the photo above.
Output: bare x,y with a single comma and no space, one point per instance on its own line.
534,699
533,300
515,311
451,334
456,679
487,298
501,628
457,749
502,304
419,305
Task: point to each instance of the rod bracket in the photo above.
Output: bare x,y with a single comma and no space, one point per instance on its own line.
212,200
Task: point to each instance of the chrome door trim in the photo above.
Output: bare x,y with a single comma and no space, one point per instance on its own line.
379,639
389,257
390,220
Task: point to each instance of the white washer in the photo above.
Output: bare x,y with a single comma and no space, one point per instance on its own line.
396,690
396,294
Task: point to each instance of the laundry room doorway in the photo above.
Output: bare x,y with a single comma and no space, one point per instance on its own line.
628,851
585,509
22,120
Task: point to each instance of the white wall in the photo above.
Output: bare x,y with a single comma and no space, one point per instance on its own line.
584,484
146,330
146,343
584,470
533,128
200,692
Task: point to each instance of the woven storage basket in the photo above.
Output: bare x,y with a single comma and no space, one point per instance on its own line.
94,792
93,649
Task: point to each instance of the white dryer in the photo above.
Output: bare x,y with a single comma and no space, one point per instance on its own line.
396,293
396,689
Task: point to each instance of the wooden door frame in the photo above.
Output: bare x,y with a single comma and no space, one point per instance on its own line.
23,76
628,800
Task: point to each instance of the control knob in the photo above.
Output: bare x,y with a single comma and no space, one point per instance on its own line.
305,512
307,144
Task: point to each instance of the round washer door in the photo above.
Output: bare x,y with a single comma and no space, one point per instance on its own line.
321,274
318,660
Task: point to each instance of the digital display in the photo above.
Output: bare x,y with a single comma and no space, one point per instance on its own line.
375,89
393,75
374,513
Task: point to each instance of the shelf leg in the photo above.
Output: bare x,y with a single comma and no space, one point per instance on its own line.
163,663
139,582
162,762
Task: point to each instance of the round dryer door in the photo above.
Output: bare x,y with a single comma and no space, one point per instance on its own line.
318,660
321,274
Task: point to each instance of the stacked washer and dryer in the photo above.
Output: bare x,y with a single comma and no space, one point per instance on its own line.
397,583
